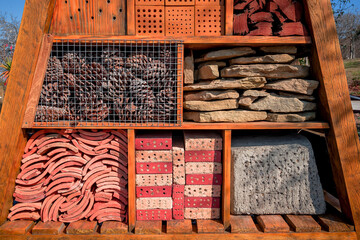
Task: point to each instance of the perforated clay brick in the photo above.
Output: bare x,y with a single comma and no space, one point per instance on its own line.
154,191
154,141
152,168
178,162
178,202
209,20
150,2
203,179
180,2
202,213
153,179
178,190
153,156
180,21
150,20
202,140
202,156
203,168
202,202
209,2
156,214
202,191
154,203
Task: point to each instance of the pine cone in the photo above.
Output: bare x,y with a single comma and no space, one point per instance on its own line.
138,64
54,94
156,73
165,105
46,113
112,57
72,63
54,70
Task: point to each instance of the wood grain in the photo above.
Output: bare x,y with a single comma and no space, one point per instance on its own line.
229,17
242,224
272,224
332,223
131,180
82,227
113,227
179,227
302,223
35,22
335,107
38,81
333,201
130,17
148,227
225,207
48,228
17,227
209,226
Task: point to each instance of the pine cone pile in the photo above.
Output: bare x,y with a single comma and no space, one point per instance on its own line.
110,84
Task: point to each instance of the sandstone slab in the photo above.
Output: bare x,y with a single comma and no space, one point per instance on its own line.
273,71
211,105
246,101
301,86
274,175
218,63
279,49
298,96
210,95
189,69
209,72
291,117
278,58
243,83
235,116
282,105
225,54
255,93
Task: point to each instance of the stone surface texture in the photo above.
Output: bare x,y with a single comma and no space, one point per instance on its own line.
291,117
298,96
273,71
189,69
210,95
243,83
275,175
209,72
246,101
218,63
211,105
255,93
279,49
278,58
225,54
235,116
294,85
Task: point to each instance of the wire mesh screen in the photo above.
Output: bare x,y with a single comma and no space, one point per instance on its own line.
112,83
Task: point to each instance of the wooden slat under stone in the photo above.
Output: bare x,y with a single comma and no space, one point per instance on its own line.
272,224
209,226
242,224
48,228
113,227
179,227
148,227
302,223
332,223
16,227
82,227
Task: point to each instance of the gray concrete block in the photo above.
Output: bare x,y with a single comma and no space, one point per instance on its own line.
275,175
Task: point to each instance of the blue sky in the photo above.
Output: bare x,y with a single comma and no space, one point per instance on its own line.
16,7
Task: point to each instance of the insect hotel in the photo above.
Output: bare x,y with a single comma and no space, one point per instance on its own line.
178,119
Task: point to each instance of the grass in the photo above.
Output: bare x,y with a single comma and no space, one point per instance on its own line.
352,63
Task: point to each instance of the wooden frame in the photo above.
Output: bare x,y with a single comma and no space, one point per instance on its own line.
335,105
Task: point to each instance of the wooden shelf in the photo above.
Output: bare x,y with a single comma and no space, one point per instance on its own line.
205,42
195,126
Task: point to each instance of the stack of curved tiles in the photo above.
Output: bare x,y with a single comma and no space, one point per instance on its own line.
69,175
154,176
203,170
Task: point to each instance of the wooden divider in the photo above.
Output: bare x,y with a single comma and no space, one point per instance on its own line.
225,208
131,180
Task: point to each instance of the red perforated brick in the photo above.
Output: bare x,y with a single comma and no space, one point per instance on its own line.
154,141
202,213
150,20
154,203
202,191
152,168
153,156
154,191
209,2
180,21
153,179
202,140
180,2
204,179
178,190
202,202
178,201
150,2
156,214
202,156
203,168
209,20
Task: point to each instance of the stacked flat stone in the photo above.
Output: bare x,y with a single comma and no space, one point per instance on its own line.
203,175
275,175
154,176
245,84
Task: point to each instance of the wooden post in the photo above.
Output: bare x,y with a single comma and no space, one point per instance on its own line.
130,11
35,22
225,208
335,107
131,179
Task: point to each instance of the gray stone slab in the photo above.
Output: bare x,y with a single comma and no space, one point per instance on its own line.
275,175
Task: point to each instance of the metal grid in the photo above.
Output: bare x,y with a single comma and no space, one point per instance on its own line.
112,83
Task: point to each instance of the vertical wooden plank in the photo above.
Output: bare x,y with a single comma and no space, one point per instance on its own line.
16,227
131,179
225,209
35,22
335,107
229,17
37,81
48,228
272,224
302,223
130,12
242,224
